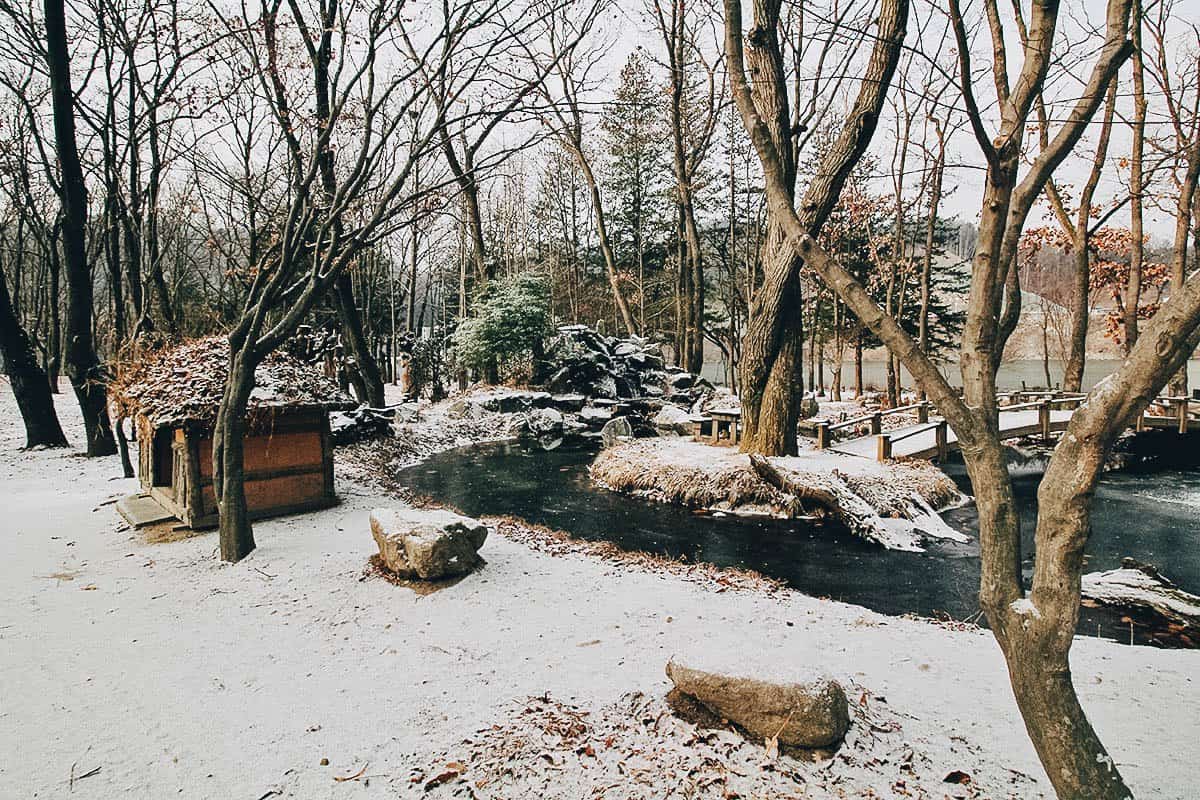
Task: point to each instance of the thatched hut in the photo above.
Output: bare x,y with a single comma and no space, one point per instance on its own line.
173,396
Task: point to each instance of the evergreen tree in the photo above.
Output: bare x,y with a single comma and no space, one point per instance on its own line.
637,174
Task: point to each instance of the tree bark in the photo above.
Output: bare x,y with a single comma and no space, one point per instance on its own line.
1081,250
370,385
234,530
28,380
83,366
1137,183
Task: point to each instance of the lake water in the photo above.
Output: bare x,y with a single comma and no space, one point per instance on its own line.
1149,515
1012,374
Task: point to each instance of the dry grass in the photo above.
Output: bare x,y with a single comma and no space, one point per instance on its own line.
650,469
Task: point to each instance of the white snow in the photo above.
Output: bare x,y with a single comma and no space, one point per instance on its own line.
1025,607
175,675
1133,587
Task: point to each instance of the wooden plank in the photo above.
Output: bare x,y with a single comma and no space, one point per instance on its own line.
278,451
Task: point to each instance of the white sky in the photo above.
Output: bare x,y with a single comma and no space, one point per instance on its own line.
630,29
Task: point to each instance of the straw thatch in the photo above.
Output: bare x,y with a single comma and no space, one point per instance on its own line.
184,384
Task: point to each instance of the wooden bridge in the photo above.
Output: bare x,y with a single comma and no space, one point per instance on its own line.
1021,414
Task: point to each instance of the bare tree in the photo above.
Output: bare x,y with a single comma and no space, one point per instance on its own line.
563,89
1035,630
695,109
770,374
83,365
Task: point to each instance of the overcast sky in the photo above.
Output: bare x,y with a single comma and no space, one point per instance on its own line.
630,28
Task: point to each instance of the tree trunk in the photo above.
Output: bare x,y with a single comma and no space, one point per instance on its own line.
370,382
610,261
28,380
83,366
1081,279
235,532
1137,183
771,402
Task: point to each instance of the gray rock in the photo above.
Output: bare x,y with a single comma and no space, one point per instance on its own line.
569,403
512,402
673,420
464,408
595,417
615,431
427,544
681,380
545,422
809,407
814,714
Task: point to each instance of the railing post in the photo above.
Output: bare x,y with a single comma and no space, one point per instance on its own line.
923,411
884,447
1181,407
1044,419
876,423
939,436
822,434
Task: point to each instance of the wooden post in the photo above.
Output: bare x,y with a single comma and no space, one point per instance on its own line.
1181,407
923,411
885,447
822,434
940,437
1044,419
876,423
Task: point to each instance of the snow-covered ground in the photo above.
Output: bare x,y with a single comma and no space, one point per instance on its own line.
140,670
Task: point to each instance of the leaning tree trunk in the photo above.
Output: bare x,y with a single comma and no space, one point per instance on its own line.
83,365
28,380
229,436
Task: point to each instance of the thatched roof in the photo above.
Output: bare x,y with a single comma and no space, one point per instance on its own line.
184,384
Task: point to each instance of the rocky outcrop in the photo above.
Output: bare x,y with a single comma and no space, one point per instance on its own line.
581,361
809,715
427,544
361,424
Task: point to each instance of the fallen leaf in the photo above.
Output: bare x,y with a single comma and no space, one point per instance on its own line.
957,776
354,777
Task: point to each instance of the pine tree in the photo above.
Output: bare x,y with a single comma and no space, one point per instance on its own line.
637,172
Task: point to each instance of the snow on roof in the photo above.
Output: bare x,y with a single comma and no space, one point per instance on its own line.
185,384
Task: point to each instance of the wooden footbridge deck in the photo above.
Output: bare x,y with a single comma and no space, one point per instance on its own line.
1021,414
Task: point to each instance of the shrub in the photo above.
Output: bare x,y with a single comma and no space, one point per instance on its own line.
507,327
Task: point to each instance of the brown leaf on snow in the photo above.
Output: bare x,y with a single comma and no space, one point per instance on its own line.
354,777
957,776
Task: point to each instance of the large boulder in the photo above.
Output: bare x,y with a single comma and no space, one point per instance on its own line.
814,714
427,544
672,420
615,431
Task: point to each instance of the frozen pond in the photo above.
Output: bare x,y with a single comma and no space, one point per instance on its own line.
1150,515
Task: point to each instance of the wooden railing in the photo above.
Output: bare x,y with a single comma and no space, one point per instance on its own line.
825,429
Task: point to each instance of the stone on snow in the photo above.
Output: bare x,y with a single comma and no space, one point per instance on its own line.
427,544
812,714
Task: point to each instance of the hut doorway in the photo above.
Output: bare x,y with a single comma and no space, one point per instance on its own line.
163,467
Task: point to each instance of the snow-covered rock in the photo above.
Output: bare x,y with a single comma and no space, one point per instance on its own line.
672,420
615,431
427,544
1142,586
